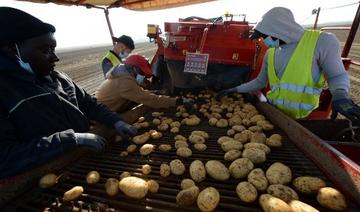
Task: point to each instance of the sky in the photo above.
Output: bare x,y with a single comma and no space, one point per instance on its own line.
77,26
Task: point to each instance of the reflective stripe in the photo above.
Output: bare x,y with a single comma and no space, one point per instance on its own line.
297,88
291,105
26,99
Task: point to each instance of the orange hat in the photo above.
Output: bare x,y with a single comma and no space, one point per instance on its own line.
139,62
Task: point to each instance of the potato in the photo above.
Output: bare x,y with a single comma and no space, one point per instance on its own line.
197,171
145,124
222,123
255,155
200,133
140,139
272,204
137,126
156,121
187,196
93,177
175,124
184,152
230,132
192,121
157,114
112,186
208,199
153,186
134,187
155,134
177,167
257,118
274,141
240,168
217,170
278,173
298,206
146,149
146,169
178,114
246,122
255,129
267,126
213,121
73,193
238,128
331,198
231,145
131,148
181,143
200,147
258,138
308,184
165,147
175,130
164,170
48,180
223,139
180,137
163,127
257,178
263,147
243,137
187,183
185,115
246,192
235,121
228,115
232,155
196,139
216,115
166,120
282,192
124,174
124,154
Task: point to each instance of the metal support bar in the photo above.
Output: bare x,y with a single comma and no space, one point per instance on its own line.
352,33
317,18
106,11
203,39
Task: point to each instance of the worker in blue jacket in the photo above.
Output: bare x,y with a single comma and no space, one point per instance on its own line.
43,113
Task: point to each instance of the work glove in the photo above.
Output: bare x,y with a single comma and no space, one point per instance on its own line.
125,130
347,108
91,141
226,92
188,104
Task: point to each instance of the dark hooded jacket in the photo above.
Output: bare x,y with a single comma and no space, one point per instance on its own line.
39,116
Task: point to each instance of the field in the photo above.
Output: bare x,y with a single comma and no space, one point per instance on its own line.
83,65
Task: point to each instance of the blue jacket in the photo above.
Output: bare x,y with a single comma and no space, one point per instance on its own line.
39,116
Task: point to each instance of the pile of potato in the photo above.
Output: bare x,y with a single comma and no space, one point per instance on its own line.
245,147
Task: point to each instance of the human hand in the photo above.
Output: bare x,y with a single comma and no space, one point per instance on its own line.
91,141
347,108
125,130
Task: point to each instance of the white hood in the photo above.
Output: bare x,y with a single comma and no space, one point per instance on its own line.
279,23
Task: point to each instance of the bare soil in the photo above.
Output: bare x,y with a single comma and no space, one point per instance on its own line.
83,65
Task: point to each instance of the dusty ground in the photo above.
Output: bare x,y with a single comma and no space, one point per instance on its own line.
83,66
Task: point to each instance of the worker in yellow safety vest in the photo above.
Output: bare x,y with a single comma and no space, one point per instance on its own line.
124,45
296,65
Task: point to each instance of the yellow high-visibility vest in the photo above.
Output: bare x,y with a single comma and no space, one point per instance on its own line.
113,58
296,94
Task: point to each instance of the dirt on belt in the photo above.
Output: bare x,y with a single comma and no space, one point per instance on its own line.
84,65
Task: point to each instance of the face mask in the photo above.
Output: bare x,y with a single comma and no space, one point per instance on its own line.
140,79
270,43
123,55
23,65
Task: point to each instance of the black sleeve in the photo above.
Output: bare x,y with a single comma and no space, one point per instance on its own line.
18,155
95,110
